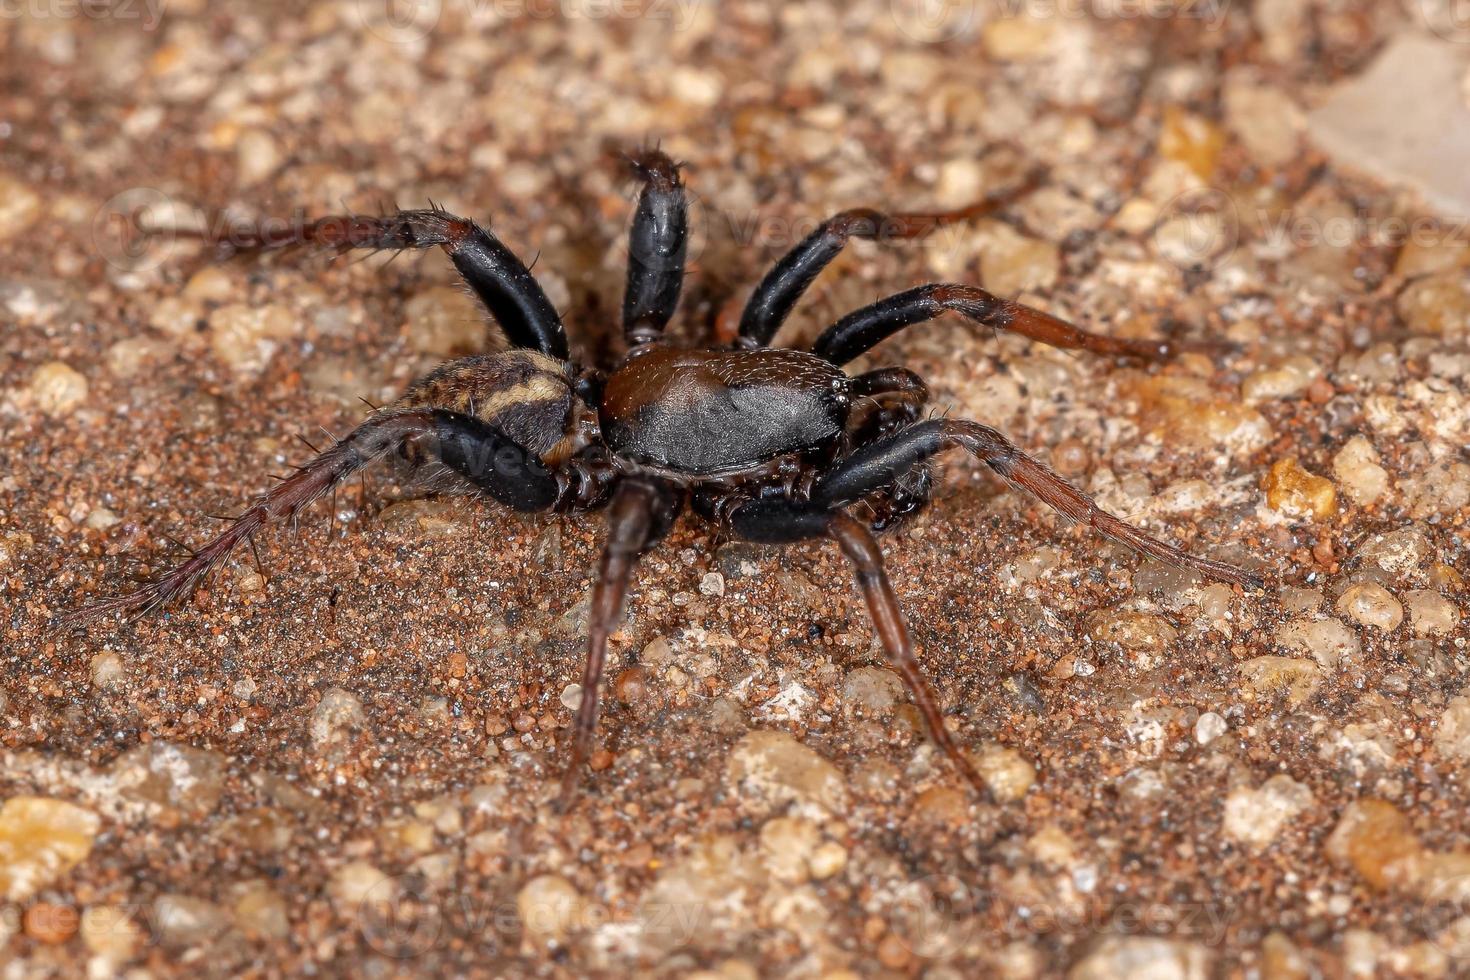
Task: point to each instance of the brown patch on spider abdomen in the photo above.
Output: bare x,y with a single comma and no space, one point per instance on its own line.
707,412
525,394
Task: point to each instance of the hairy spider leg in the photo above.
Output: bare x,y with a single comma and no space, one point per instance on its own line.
497,276
640,514
863,329
476,450
884,462
776,295
657,246
780,521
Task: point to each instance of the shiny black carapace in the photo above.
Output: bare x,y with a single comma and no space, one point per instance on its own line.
769,445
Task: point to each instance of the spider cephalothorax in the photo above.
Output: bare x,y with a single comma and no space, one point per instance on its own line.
770,445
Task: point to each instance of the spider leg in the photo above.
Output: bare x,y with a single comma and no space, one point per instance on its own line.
881,464
657,245
780,521
886,399
475,449
638,516
773,299
863,329
492,270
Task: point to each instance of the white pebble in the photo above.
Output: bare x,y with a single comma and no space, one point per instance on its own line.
1209,727
1372,605
58,388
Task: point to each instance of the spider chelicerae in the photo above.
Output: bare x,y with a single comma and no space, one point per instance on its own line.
769,445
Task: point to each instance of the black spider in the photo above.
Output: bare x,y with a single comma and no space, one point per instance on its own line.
770,445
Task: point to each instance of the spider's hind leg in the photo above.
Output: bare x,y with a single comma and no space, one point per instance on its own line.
885,462
779,521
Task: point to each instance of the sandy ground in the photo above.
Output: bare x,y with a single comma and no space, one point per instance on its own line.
346,764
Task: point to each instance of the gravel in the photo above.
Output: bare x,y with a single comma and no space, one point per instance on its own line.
344,760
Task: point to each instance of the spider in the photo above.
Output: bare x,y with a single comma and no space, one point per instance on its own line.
769,445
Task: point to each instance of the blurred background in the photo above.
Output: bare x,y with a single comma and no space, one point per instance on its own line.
342,759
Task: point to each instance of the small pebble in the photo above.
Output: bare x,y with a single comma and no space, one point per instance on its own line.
1376,839
182,781
256,156
1292,490
20,206
787,844
1431,613
50,923
631,685
549,907
1267,677
107,671
713,583
1129,957
356,884
336,716
1328,641
1396,551
1006,772
827,860
1372,605
259,911
871,691
246,337
1289,380
1356,468
111,932
774,768
445,321
58,389
187,920
1256,816
893,952
1452,736
1208,727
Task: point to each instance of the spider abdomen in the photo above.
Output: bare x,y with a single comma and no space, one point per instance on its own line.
706,412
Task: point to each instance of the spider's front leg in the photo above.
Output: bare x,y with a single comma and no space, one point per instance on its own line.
477,451
497,276
641,512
